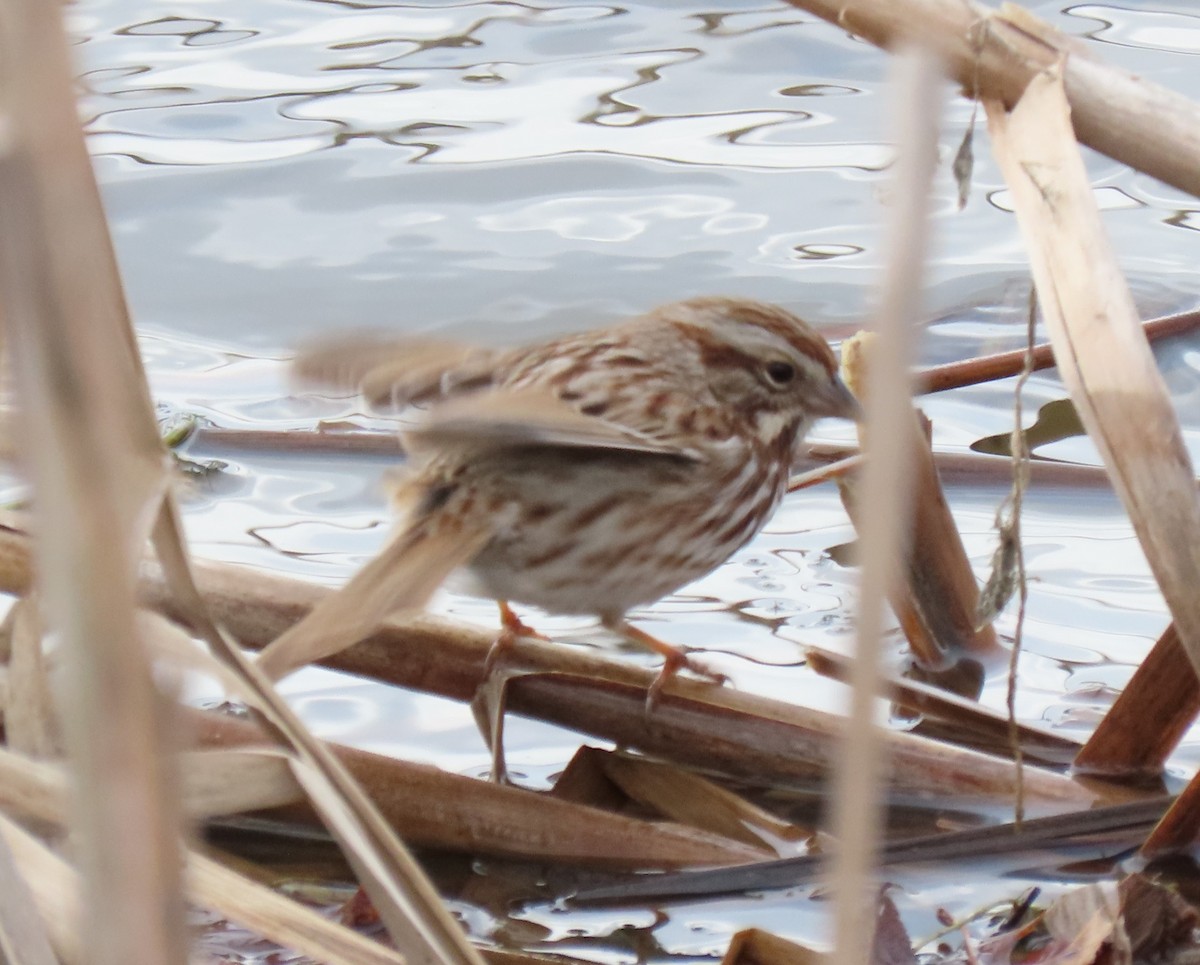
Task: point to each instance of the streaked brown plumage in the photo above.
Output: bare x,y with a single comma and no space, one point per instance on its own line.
591,474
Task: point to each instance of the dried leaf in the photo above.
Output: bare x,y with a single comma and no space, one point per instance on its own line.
91,447
891,944
1101,351
690,799
1002,581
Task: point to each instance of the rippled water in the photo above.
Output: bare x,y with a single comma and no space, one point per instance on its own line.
502,171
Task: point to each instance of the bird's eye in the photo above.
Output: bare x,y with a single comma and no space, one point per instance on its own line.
781,373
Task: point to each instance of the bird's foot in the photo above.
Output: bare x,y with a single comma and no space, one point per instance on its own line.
674,660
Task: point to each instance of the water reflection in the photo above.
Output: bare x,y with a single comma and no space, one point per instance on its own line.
1170,31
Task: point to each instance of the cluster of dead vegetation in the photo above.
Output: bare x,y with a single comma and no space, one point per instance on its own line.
104,777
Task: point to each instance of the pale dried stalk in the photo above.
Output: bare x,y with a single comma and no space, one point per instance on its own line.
55,886
280,919
93,454
219,782
1102,353
24,938
995,54
38,791
1150,717
30,720
99,469
214,783
857,784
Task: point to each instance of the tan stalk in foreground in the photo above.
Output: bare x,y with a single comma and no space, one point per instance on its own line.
857,796
90,446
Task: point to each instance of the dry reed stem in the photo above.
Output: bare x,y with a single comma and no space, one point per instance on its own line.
99,470
55,886
217,782
960,466
739,734
1179,828
349,438
1149,717
937,600
971,720
214,783
24,937
100,474
994,55
38,791
856,800
31,724
280,919
718,728
1054,831
432,808
1103,355
92,451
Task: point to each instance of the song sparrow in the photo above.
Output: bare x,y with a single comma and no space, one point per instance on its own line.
588,475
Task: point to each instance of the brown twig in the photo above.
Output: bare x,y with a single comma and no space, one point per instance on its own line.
432,808
1002,365
1149,718
1177,829
1118,819
695,723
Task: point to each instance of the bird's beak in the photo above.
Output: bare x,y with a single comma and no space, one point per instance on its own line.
837,401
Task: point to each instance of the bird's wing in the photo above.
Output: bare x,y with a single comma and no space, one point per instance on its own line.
393,373
502,419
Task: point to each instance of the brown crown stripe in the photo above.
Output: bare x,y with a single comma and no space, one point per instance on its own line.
782,323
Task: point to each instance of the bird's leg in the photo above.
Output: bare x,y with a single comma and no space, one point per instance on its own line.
512,627
488,703
674,660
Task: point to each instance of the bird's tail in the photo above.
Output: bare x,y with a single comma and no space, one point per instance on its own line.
401,578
